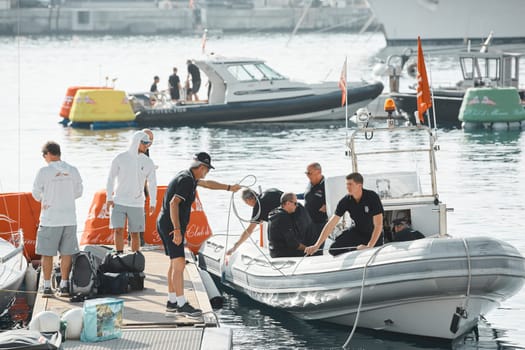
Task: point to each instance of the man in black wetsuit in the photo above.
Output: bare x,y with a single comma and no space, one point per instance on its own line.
314,197
366,210
269,200
193,70
289,228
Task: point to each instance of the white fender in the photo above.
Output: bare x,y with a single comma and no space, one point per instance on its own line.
45,322
74,320
30,280
214,295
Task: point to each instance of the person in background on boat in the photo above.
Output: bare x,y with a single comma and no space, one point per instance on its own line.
366,210
289,228
262,205
174,85
195,74
56,187
173,221
130,170
154,89
314,196
403,232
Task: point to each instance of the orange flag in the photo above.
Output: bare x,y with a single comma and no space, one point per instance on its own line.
342,84
424,99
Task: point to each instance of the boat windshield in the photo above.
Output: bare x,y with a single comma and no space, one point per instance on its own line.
253,72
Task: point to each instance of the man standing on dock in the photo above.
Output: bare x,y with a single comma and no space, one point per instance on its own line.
173,221
56,187
131,170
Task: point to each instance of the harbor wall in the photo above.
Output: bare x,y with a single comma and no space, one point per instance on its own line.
175,20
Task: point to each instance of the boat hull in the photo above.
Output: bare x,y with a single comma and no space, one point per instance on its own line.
409,287
313,107
465,20
12,273
446,105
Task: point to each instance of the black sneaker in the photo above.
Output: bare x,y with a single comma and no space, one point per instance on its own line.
63,291
171,307
47,292
188,310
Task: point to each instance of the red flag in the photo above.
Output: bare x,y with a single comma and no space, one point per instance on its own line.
342,84
424,99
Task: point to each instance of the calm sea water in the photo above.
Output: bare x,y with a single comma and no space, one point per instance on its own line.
481,175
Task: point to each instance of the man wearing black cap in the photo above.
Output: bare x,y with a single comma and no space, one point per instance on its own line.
173,220
403,231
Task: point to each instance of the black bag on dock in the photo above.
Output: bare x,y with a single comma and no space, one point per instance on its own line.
136,280
131,262
114,283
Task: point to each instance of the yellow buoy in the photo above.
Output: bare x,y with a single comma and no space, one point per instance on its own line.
101,106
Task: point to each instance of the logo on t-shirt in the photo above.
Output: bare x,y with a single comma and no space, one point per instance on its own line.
366,209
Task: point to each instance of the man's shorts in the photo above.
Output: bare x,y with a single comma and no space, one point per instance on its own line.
171,249
53,239
195,86
135,216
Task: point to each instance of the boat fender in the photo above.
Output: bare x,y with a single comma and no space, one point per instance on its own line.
454,324
45,322
73,320
30,280
216,299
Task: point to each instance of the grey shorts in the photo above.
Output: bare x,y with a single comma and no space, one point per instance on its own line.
53,239
135,216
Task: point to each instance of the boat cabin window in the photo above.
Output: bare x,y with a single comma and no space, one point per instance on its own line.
253,72
469,68
491,68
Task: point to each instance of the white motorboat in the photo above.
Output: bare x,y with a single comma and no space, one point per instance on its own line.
436,287
448,21
244,90
13,266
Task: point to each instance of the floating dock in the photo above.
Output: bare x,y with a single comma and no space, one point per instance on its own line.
146,324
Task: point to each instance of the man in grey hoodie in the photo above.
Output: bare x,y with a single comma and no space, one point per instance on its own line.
56,187
130,170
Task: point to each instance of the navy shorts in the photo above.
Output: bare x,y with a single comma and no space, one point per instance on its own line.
171,249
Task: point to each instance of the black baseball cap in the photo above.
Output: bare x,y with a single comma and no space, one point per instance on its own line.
203,158
399,221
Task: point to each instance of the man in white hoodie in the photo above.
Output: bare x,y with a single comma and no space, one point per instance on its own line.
130,170
56,187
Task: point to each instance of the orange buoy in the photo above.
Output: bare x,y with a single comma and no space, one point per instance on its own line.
19,210
97,231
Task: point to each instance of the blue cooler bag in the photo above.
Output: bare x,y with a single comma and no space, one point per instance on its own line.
102,319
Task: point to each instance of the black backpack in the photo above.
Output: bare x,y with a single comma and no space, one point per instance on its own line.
83,276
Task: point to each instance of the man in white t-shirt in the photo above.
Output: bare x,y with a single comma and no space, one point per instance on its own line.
56,187
125,190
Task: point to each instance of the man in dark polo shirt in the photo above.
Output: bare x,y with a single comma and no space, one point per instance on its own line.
262,205
173,220
314,197
366,210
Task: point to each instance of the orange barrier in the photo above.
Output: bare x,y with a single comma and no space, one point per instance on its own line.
70,96
19,210
96,229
